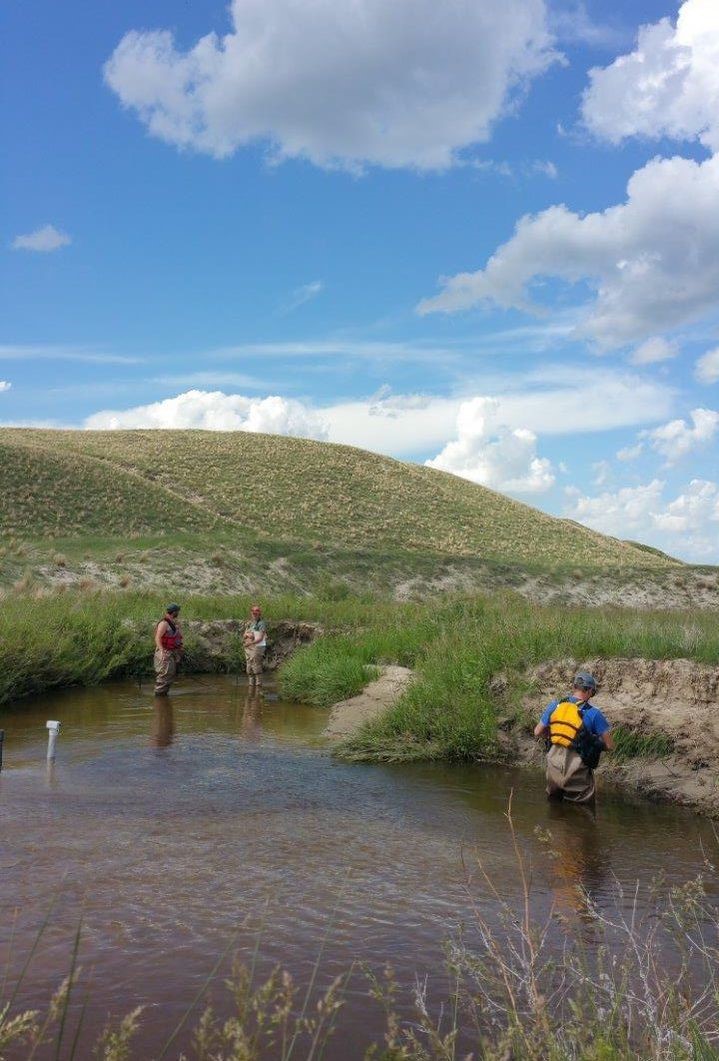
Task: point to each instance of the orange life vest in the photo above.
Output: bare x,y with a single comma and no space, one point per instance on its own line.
172,638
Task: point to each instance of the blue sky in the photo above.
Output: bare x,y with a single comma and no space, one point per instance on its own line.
306,223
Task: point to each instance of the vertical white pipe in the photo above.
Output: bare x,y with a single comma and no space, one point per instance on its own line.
53,728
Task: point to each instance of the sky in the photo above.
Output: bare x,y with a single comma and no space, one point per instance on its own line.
480,236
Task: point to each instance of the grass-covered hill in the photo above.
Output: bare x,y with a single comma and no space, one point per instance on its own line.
120,484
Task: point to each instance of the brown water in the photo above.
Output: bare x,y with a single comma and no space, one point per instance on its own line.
171,828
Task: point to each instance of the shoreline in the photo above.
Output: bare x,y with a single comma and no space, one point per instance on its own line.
672,705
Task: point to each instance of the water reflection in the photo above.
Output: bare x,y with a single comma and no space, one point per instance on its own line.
251,728
580,858
163,723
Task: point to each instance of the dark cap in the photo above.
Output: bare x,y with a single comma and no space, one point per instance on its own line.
586,681
172,609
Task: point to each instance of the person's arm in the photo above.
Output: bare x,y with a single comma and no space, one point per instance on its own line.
161,628
542,727
602,729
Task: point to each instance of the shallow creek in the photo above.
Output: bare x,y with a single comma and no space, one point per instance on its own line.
170,828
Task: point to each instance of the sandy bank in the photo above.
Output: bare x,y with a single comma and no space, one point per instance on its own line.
217,643
348,716
671,704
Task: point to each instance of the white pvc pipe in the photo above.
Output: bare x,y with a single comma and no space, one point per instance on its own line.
53,728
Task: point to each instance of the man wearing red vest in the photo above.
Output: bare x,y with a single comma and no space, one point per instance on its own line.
168,649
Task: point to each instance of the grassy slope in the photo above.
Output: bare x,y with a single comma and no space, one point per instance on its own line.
278,489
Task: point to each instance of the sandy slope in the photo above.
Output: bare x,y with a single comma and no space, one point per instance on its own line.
348,715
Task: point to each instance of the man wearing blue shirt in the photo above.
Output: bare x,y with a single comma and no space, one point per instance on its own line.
573,725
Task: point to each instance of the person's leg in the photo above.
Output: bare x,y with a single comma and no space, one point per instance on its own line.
250,667
579,784
555,772
164,672
259,657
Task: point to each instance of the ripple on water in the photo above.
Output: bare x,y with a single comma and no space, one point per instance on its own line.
178,830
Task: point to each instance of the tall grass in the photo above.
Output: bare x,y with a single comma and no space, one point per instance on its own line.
456,646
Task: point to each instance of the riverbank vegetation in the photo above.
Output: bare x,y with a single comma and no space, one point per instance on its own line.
472,657
633,979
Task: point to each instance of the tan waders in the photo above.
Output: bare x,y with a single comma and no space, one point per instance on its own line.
165,670
567,776
254,655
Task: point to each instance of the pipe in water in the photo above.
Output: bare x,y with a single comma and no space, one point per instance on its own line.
53,728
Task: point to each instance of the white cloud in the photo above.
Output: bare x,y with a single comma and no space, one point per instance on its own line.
493,454
602,472
215,411
707,367
50,352
546,168
630,453
653,351
44,239
573,23
669,86
339,82
678,438
545,402
302,294
686,525
652,262
4,385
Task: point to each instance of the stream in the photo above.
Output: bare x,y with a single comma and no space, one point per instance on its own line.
178,829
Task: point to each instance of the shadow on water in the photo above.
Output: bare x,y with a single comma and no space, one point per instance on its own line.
172,823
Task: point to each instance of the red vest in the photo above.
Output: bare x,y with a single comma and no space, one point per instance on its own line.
172,638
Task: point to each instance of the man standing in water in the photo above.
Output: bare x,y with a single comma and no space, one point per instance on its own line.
255,641
168,649
578,732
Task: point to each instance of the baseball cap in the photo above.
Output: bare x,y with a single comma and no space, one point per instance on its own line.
585,680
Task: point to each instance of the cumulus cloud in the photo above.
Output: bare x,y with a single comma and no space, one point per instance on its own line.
653,351
4,385
707,367
44,240
339,82
216,411
668,86
488,452
652,262
678,438
686,525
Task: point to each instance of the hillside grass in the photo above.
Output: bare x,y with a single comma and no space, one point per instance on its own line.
272,489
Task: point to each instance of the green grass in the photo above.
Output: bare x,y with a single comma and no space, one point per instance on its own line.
631,745
272,489
456,646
